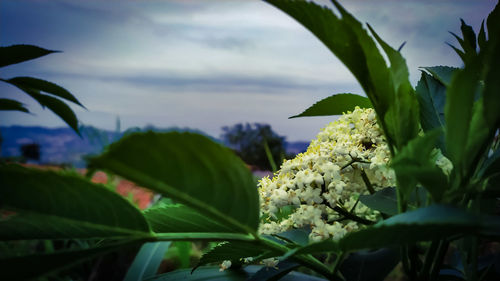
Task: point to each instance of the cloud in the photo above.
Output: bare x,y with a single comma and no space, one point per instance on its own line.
207,64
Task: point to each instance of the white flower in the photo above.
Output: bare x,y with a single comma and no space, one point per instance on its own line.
225,265
270,262
329,174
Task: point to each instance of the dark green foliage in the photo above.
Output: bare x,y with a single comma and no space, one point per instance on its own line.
335,105
431,95
147,261
235,252
249,142
384,201
369,265
19,53
38,265
33,86
297,236
65,206
8,104
213,274
387,88
442,73
415,164
43,86
423,224
190,169
274,273
179,218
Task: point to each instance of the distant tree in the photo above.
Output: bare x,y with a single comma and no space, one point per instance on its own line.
250,140
31,151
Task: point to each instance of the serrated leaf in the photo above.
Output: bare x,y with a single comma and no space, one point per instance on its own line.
369,265
19,53
147,261
335,105
14,268
180,218
424,224
43,86
212,273
47,205
191,169
12,105
431,95
442,73
236,251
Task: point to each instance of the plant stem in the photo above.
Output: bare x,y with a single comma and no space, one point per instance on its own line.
368,184
429,257
338,261
351,216
438,261
306,260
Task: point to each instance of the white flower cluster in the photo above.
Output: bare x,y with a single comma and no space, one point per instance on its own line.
329,175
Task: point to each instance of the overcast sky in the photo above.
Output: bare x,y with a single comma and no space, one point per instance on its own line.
207,64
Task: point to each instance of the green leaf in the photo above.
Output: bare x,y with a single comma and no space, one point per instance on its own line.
423,224
403,111
274,273
491,93
493,24
458,112
8,104
469,37
212,273
492,165
19,53
298,236
481,37
415,162
431,95
43,86
384,201
335,105
235,251
55,105
191,169
46,205
147,261
443,74
183,253
180,218
346,38
15,268
369,265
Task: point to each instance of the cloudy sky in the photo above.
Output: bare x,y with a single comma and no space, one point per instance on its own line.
207,64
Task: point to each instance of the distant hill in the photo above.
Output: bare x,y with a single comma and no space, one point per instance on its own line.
64,146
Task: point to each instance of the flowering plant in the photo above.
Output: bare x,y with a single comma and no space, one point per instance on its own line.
408,177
